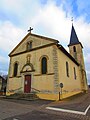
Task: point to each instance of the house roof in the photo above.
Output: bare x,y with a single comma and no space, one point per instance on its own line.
43,37
2,77
73,38
67,54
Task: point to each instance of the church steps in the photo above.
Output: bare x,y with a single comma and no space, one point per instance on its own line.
23,96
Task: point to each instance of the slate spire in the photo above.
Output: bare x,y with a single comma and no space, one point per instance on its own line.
73,38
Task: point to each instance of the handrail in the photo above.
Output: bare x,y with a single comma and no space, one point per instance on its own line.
35,89
14,90
21,88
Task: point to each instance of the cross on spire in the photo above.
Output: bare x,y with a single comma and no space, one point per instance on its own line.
30,29
72,20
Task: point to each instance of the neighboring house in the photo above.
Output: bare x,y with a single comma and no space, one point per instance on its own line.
2,85
40,64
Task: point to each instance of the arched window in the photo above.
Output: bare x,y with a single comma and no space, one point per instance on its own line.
67,69
74,49
44,65
29,45
74,73
15,69
74,53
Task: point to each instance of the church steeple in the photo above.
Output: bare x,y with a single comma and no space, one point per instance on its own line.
75,49
73,38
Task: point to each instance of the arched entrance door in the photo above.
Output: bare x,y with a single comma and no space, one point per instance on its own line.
27,69
27,84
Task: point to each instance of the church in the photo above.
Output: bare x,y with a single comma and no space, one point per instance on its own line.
41,65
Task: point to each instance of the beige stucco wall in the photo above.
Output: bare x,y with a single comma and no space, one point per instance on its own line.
79,52
80,59
71,85
44,83
15,83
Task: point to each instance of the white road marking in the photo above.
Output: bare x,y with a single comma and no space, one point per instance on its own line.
69,111
87,109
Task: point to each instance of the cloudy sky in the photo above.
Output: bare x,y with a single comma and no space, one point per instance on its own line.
51,18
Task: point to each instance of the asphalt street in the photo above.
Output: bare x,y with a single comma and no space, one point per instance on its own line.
75,108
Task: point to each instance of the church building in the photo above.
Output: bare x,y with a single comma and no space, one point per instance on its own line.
42,66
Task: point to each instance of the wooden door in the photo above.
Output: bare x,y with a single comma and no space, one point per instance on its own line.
27,84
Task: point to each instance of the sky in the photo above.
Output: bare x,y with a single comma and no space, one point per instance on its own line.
51,18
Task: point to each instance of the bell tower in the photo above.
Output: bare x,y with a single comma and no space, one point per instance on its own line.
76,51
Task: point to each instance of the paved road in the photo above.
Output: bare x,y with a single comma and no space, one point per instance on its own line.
36,110
10,107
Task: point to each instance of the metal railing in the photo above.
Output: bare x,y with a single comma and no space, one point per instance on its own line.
19,89
36,90
15,90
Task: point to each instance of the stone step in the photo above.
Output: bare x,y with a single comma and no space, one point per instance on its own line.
28,96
